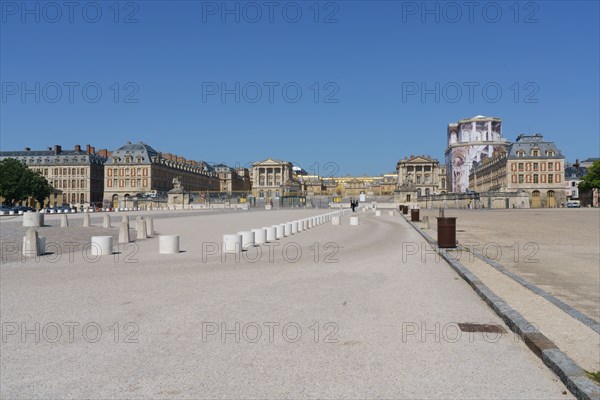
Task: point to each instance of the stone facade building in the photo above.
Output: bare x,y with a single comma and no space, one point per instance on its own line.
77,175
423,173
273,179
136,169
530,164
232,179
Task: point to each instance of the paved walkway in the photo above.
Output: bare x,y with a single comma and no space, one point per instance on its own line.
359,313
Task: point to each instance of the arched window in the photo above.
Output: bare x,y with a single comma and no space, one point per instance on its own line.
418,192
427,192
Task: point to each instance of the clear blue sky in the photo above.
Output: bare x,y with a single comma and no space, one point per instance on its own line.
176,54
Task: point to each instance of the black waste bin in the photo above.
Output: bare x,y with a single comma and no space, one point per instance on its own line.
414,215
404,210
446,228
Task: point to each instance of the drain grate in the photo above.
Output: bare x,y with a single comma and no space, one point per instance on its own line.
488,328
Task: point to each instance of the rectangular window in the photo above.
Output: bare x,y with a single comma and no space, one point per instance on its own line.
109,172
109,183
550,166
557,166
550,180
521,178
536,178
536,166
521,166
514,178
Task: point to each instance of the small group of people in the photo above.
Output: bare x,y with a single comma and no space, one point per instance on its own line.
353,204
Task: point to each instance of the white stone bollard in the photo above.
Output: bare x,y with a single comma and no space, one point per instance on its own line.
64,221
279,234
271,233
287,229
106,221
31,245
336,221
86,220
101,246
33,219
260,235
391,213
11,212
378,213
300,225
354,221
149,227
2,213
21,212
73,211
125,218
268,207
124,233
232,243
247,239
142,230
168,244
294,227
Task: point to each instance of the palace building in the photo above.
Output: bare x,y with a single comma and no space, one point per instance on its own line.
136,169
530,164
423,173
77,175
273,179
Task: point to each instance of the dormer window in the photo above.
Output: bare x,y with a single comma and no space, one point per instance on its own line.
535,153
550,153
520,153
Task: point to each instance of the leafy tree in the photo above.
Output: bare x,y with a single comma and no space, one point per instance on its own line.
592,179
14,180
40,187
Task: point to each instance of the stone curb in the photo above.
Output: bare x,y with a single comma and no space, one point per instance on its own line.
571,374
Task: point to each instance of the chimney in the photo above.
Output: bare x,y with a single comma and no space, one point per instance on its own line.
93,150
576,165
103,153
87,148
27,148
57,149
77,148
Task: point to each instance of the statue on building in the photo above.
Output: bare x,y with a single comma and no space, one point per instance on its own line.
177,183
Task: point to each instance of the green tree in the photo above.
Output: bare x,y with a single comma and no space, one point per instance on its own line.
40,188
592,179
14,180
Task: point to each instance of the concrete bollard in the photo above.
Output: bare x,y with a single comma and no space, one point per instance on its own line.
102,246
391,213
141,230
232,243
425,221
168,244
149,227
247,239
106,221
354,221
279,233
294,227
378,213
336,221
305,224
33,219
309,222
86,220
64,221
260,235
271,233
138,223
125,219
31,245
124,233
287,229
300,226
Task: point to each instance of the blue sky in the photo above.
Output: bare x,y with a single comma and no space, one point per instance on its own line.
161,68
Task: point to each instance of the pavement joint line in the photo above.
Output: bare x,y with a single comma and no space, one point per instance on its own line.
569,372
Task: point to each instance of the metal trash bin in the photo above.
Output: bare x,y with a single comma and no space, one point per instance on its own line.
446,228
404,210
414,215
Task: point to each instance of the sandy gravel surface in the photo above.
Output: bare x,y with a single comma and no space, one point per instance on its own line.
332,312
556,249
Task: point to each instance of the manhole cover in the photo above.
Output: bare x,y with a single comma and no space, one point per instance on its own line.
491,328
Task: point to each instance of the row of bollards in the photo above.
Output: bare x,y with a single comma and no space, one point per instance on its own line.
237,242
446,226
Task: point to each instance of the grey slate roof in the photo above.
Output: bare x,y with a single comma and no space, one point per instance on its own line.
530,142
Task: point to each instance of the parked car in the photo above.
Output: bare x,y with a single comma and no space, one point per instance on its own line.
23,208
573,204
5,208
